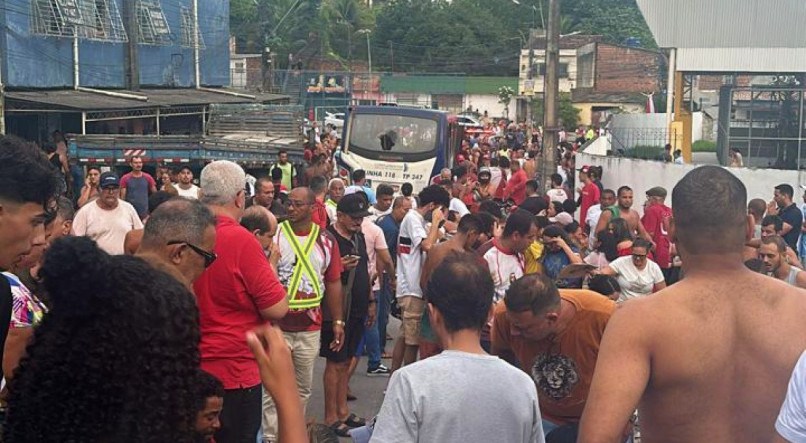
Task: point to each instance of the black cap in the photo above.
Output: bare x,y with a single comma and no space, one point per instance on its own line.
109,179
353,205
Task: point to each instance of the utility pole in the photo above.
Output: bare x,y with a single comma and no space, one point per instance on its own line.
2,100
196,61
132,60
551,94
531,80
392,54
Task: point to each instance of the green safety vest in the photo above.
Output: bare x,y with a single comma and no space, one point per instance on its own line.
331,203
303,266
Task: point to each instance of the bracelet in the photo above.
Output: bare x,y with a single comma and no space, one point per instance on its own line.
339,323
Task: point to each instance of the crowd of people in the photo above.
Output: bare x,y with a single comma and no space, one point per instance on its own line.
148,309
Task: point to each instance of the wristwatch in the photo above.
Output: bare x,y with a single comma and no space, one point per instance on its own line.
339,323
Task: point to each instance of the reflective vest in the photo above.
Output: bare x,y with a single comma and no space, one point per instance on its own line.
331,203
303,265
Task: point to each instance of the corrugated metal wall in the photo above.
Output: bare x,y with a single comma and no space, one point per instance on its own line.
731,35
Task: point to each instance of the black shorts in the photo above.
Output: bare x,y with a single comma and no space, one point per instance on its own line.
353,332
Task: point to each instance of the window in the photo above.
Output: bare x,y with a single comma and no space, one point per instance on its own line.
151,23
541,69
187,29
395,134
88,19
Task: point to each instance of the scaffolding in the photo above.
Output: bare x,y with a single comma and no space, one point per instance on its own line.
97,20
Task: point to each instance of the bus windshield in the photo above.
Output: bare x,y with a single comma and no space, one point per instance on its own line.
392,134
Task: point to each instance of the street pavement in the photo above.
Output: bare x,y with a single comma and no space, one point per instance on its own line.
368,390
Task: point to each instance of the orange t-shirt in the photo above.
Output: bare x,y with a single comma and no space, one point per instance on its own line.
561,366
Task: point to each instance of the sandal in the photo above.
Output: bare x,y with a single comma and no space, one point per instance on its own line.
354,421
340,429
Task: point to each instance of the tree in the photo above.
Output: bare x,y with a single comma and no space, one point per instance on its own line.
567,112
505,94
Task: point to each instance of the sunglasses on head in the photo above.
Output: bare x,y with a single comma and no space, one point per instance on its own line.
209,257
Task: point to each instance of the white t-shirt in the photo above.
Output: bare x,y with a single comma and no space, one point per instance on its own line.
498,402
505,267
791,423
591,220
557,195
107,227
459,207
495,176
634,282
410,256
375,214
192,192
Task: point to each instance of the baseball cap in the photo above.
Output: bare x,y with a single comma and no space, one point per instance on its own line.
109,179
657,191
353,205
485,170
563,218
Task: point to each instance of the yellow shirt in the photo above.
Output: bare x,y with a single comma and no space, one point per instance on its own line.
532,256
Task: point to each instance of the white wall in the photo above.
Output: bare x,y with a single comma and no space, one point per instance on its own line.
489,103
642,175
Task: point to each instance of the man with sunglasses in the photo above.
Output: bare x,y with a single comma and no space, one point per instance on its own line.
179,238
108,219
237,293
310,271
554,336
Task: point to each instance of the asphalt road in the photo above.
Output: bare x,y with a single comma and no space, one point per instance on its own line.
369,390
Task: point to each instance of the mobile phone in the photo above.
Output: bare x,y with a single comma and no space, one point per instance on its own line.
353,257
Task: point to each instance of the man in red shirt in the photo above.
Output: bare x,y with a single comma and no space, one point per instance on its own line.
236,294
319,214
656,222
588,194
306,248
516,185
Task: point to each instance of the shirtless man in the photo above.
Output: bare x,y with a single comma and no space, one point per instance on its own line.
771,225
708,358
773,254
469,236
625,211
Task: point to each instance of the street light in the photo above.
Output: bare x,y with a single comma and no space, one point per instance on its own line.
367,32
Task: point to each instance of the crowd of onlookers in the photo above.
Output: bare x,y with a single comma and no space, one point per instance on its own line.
171,308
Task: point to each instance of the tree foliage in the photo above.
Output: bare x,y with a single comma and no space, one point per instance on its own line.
480,37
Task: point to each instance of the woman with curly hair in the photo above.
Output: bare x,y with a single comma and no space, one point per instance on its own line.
114,360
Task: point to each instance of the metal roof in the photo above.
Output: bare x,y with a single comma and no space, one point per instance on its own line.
730,35
90,101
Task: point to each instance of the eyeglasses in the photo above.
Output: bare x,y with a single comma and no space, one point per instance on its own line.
209,257
298,204
638,256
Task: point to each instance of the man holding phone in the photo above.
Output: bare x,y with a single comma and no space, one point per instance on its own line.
415,239
359,311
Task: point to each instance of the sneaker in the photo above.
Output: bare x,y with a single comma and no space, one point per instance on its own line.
380,371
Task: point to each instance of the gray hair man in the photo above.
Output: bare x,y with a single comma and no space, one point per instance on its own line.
236,294
179,238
